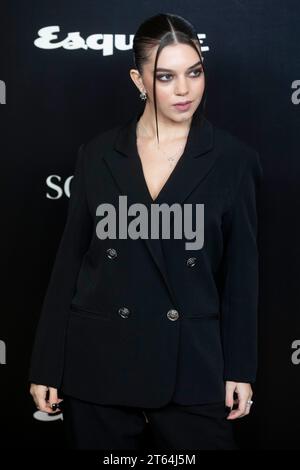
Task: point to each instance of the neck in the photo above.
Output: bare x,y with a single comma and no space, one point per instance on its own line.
167,129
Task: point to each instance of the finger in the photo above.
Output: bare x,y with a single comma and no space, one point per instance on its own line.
229,401
235,402
38,392
52,395
41,401
42,405
54,401
248,406
240,411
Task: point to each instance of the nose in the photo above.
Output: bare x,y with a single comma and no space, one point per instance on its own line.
181,87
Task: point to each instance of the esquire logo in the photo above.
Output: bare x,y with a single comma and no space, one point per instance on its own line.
48,39
159,214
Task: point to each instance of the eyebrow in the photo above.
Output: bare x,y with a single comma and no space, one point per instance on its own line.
160,69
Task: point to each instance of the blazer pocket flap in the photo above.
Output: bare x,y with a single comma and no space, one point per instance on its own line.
201,315
87,312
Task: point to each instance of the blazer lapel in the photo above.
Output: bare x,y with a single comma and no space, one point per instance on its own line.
126,169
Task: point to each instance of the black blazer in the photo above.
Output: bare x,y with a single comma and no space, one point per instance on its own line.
141,322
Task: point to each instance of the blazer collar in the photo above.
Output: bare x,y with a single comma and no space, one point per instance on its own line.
197,159
199,141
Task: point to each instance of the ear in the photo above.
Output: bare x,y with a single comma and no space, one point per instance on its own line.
137,79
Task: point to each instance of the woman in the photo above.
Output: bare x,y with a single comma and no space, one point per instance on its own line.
139,328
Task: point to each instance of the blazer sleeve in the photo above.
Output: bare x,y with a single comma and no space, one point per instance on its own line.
47,355
239,300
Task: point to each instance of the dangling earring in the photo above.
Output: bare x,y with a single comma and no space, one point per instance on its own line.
143,95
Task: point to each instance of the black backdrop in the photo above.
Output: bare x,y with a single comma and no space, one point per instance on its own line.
56,98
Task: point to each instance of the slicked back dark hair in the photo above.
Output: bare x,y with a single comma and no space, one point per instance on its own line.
163,29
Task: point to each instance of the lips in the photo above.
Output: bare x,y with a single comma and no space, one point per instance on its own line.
183,103
183,106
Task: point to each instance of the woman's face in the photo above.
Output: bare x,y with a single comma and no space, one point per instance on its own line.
178,80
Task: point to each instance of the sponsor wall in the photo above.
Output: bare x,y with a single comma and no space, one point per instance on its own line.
64,76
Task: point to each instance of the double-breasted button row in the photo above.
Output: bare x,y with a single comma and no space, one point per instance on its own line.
190,262
172,314
111,253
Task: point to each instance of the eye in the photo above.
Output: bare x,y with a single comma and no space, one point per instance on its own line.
161,76
197,71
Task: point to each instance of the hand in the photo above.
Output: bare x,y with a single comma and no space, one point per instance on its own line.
39,394
244,392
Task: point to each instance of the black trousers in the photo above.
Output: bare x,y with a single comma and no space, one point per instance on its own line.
171,427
